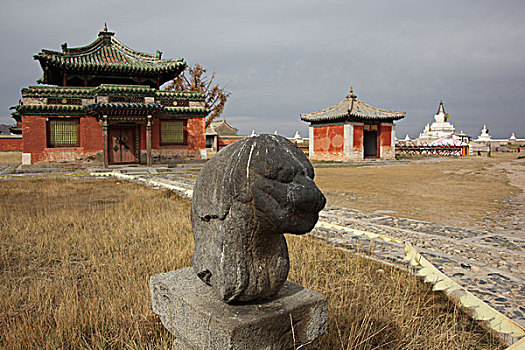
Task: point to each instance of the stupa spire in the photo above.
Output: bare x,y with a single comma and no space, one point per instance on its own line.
441,108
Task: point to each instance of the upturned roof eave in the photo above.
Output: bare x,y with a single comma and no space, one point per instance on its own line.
324,118
329,113
350,117
167,67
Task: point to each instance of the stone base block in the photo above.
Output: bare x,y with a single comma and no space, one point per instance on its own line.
190,310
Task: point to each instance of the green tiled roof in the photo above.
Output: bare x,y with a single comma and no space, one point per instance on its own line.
26,109
109,107
124,89
142,109
86,92
45,91
187,109
193,95
108,54
124,106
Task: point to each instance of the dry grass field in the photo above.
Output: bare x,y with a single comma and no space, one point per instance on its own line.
452,191
76,256
10,157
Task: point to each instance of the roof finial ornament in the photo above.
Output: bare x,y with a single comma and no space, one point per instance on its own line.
352,96
105,27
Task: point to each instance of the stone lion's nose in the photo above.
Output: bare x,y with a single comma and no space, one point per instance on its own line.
306,196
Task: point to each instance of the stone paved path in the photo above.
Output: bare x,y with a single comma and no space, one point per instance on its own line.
488,264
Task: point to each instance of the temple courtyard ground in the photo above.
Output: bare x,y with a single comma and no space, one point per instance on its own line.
466,215
473,192
76,255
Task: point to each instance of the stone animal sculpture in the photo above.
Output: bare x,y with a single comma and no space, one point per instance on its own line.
244,199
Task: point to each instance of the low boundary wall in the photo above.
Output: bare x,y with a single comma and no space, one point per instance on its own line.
10,142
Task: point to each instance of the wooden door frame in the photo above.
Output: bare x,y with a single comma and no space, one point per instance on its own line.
136,144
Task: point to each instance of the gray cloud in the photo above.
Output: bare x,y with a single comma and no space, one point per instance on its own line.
280,59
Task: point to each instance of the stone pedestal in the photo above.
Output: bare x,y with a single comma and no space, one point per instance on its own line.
191,311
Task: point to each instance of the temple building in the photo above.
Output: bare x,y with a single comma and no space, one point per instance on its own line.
352,130
440,128
103,102
220,134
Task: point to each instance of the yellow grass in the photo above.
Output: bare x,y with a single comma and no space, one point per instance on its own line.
76,256
10,157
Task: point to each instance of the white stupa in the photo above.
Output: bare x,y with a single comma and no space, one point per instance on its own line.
407,138
253,133
484,136
440,128
298,138
512,138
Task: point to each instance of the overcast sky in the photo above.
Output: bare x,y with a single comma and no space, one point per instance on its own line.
282,58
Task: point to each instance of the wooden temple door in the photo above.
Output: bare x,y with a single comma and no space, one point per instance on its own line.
121,146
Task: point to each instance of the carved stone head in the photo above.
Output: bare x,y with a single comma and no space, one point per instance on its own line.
244,199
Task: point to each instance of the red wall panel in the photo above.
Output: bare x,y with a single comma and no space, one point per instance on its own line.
358,137
91,134
386,135
329,139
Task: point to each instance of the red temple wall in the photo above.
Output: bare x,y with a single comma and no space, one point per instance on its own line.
91,134
386,149
10,144
386,135
34,131
358,137
223,142
195,140
34,135
195,135
91,141
196,128
329,140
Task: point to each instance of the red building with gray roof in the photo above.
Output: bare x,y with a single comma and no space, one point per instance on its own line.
352,130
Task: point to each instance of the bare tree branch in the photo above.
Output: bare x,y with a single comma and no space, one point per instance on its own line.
195,79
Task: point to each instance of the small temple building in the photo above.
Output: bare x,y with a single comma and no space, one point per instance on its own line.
441,127
220,134
352,130
102,102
